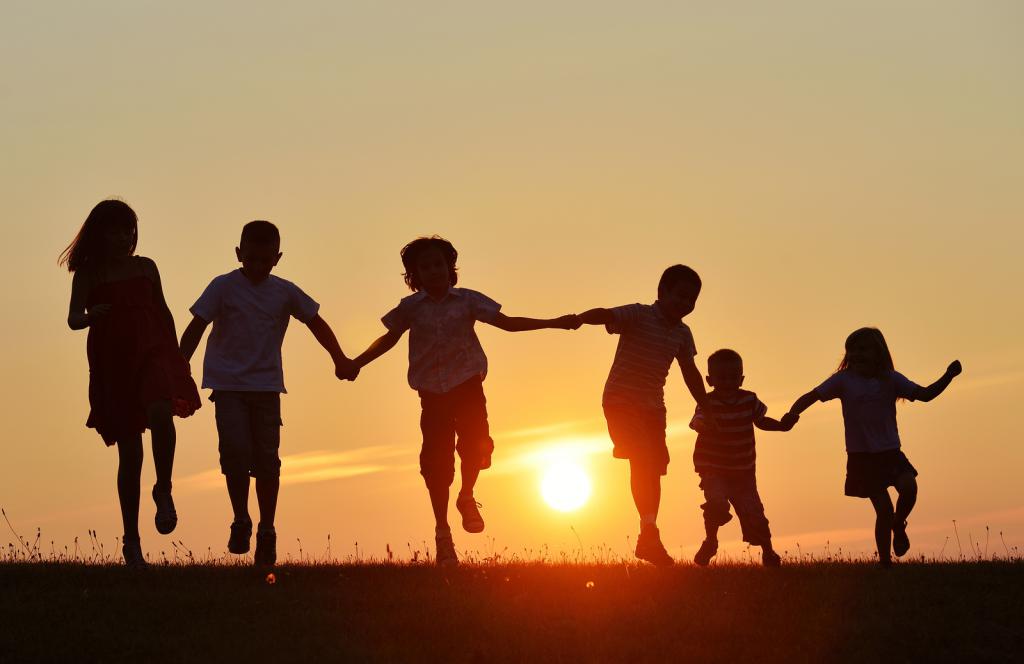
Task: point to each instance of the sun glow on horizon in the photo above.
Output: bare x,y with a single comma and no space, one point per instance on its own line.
565,486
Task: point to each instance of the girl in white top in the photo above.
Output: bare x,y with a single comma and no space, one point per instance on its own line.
868,386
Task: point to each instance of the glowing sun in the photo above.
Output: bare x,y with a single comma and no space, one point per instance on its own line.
565,486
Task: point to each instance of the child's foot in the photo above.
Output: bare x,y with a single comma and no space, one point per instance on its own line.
706,552
885,563
238,542
900,541
650,548
472,521
770,559
166,517
133,558
266,548
445,556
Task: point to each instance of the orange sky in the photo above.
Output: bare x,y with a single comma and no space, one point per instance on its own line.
822,168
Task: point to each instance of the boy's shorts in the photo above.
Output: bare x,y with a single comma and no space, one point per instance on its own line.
740,489
638,434
249,432
460,412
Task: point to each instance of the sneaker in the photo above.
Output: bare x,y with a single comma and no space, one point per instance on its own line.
706,552
650,548
900,541
240,534
445,556
133,558
472,521
166,517
266,548
770,559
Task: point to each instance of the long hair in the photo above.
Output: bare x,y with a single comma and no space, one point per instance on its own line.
87,247
872,336
411,254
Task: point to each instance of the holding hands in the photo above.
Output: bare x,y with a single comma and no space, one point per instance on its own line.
568,322
789,420
346,369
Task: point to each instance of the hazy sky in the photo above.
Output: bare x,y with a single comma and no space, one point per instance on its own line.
822,165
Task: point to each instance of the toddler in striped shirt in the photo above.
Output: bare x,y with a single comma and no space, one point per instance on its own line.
724,457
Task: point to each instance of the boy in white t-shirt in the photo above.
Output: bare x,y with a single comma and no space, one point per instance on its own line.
250,310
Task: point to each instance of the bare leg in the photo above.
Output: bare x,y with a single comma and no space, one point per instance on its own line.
267,489
129,474
469,477
238,491
645,485
439,503
906,487
161,427
883,525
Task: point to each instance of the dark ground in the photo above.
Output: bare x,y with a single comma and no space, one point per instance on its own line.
560,613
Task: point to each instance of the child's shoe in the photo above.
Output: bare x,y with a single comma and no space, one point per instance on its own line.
472,521
133,558
900,541
445,555
266,548
166,517
706,552
650,548
770,559
238,542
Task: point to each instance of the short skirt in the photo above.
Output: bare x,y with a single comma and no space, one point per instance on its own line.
868,473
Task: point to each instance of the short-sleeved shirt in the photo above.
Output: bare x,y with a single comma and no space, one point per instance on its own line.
444,351
869,407
648,342
731,447
249,320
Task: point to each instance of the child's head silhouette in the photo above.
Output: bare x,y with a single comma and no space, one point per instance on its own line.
110,231
678,290
259,250
867,353
725,370
430,264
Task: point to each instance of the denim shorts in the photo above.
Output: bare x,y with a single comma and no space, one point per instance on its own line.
249,429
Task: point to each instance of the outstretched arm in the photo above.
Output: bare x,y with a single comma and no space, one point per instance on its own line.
766,423
343,367
597,317
381,345
799,406
939,386
521,324
192,335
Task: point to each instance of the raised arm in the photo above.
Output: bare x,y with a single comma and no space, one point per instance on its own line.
597,317
521,324
939,386
381,345
191,337
343,367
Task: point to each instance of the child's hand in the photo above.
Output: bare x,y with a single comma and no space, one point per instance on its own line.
346,369
788,420
954,368
568,322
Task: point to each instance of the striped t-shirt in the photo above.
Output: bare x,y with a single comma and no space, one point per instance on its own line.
732,446
648,342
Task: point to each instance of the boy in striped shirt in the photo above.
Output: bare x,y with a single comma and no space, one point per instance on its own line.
724,457
651,337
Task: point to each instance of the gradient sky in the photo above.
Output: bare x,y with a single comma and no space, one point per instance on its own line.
822,165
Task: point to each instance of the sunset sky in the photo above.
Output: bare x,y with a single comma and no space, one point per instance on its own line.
823,166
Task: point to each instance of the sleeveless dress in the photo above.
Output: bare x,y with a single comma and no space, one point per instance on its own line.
133,361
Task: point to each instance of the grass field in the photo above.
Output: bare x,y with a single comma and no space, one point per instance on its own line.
516,612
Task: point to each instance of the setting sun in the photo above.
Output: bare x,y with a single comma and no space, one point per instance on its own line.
565,486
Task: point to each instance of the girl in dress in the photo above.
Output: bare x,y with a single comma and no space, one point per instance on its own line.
137,377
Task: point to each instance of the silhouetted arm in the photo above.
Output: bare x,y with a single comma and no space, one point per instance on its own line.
694,381
344,368
191,337
158,293
381,345
521,324
597,317
799,406
78,318
766,423
939,386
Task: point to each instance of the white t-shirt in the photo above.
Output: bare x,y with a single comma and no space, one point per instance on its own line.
869,407
249,320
